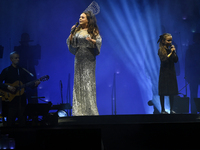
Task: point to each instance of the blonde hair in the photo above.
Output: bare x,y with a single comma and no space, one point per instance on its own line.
161,43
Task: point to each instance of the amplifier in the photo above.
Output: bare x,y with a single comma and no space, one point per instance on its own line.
181,105
197,103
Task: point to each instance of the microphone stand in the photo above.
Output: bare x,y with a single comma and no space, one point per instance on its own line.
20,116
61,87
113,96
69,96
186,84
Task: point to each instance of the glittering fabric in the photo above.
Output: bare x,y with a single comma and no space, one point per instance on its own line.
84,90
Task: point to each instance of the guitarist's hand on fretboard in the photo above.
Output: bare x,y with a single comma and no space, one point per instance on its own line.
37,83
11,88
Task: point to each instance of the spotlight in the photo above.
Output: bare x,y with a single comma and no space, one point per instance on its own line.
62,113
184,17
193,31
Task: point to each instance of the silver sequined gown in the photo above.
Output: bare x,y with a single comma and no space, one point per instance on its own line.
84,90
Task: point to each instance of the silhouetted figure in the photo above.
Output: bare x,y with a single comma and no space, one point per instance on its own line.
1,55
192,69
29,55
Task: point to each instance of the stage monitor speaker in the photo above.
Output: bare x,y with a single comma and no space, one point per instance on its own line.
71,138
37,109
181,105
0,105
197,103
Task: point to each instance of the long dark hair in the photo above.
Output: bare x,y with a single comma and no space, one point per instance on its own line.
93,29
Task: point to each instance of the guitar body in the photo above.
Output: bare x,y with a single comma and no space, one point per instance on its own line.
9,96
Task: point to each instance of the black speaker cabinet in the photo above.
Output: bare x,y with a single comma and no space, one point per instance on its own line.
197,103
1,51
181,105
0,105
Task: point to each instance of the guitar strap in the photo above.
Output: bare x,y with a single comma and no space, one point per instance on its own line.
18,71
28,72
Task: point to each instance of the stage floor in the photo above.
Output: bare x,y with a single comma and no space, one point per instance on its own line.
129,119
112,132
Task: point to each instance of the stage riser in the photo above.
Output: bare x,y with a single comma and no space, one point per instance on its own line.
119,136
151,136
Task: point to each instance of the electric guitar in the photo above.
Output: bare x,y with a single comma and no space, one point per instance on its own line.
9,96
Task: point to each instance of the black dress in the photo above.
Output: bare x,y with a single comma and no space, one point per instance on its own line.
167,78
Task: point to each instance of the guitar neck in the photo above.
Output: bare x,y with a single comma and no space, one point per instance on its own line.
29,83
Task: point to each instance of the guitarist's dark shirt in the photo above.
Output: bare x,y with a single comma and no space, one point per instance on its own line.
15,108
12,74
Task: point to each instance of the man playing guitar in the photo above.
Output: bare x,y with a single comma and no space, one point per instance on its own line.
15,74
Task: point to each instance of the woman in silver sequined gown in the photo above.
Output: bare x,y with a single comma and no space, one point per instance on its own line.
85,44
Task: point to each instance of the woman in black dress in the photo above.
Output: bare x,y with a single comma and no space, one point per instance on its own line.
167,78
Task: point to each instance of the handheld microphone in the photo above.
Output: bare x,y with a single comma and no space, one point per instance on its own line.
73,29
171,48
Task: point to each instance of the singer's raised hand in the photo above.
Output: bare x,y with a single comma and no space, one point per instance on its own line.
72,30
173,48
71,35
91,40
37,83
73,27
